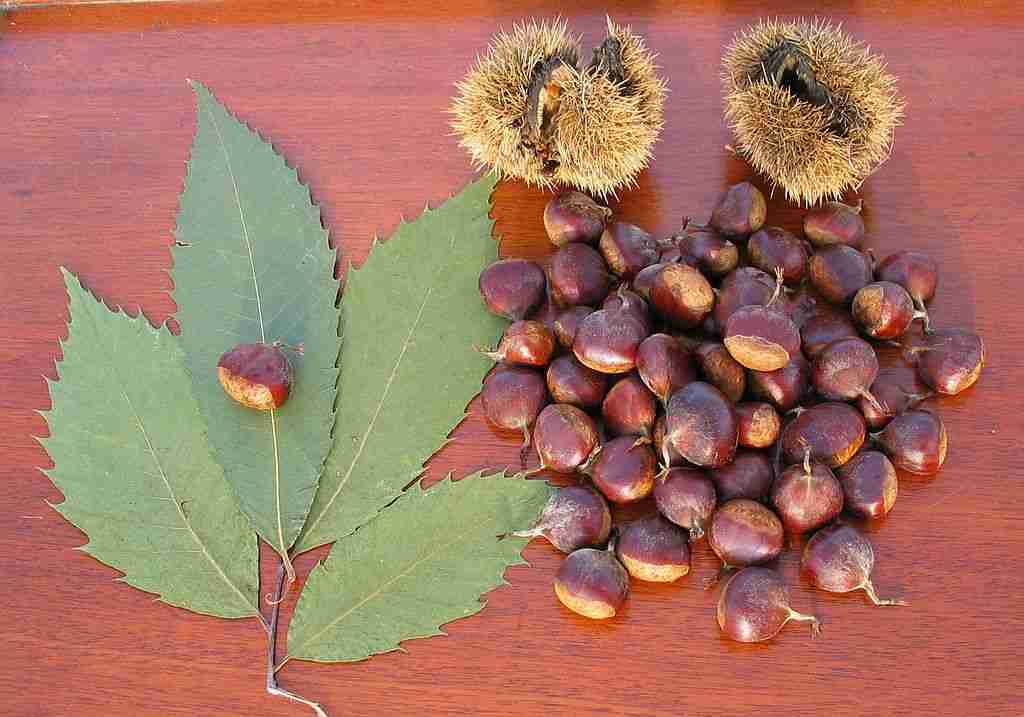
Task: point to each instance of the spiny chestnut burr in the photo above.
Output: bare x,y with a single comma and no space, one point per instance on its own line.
686,497
682,296
512,288
833,432
754,606
750,475
807,496
761,338
571,216
713,253
577,275
513,397
564,437
627,249
811,109
629,409
839,559
571,382
884,310
608,340
845,370
950,360
721,370
914,271
663,365
759,424
915,441
701,424
835,223
822,329
256,375
740,211
745,286
623,470
784,388
869,484
567,323
838,272
574,517
653,550
896,390
772,249
631,303
592,583
525,343
744,532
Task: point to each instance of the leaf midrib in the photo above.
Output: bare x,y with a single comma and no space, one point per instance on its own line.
376,414
283,548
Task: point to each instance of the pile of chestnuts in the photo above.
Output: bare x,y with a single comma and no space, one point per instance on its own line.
729,371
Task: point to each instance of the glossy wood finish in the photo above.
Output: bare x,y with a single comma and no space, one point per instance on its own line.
96,125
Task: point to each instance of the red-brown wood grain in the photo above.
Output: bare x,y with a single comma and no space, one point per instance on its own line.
95,125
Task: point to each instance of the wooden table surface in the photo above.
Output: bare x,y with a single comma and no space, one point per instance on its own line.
96,125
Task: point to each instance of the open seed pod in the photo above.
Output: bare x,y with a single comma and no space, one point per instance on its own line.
812,109
528,109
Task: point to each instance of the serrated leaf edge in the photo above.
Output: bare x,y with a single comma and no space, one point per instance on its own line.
70,276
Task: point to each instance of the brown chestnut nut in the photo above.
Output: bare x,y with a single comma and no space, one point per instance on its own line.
759,424
629,409
664,366
869,484
721,370
574,517
712,253
525,343
760,338
578,275
915,441
784,388
682,296
571,382
607,340
746,286
512,398
573,216
740,211
592,583
750,475
564,437
755,606
653,550
950,360
884,310
833,432
914,271
744,532
834,223
822,329
838,272
256,375
623,470
512,288
627,249
840,559
701,424
567,323
670,457
772,249
807,496
686,497
897,389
